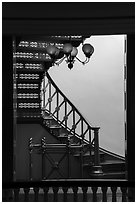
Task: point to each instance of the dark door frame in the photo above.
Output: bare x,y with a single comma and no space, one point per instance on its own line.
79,19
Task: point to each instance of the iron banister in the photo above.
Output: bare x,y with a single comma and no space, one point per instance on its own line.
71,104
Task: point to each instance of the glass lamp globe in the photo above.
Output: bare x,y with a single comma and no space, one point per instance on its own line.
88,49
67,48
51,50
74,52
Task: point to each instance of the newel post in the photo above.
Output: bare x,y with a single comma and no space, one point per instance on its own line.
96,146
96,168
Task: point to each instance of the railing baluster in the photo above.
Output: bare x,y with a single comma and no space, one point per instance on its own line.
94,190
6,195
43,144
82,148
44,91
46,189
96,146
57,109
68,154
43,165
131,194
81,161
13,194
82,129
104,195
36,194
16,194
49,99
89,135
75,195
65,113
66,101
26,194
30,158
66,117
65,190
124,194
114,196
55,191
84,189
90,143
74,125
57,105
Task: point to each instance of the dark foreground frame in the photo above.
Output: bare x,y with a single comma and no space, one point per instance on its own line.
62,19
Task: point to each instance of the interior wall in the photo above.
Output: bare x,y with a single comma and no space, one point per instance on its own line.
97,88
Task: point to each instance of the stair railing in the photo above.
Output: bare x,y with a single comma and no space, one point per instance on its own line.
55,103
91,189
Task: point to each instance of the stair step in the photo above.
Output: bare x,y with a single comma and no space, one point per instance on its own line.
55,127
114,175
66,135
33,60
29,100
29,91
28,85
111,162
28,120
113,167
30,71
28,108
47,117
87,154
28,115
28,81
64,138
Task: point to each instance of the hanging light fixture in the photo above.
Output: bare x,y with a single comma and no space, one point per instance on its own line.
69,53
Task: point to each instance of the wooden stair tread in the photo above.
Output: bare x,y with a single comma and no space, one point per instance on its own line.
28,81
111,162
55,127
47,117
24,120
65,136
32,60
88,154
29,71
116,173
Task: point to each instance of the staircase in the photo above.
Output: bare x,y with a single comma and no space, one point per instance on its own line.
40,101
28,88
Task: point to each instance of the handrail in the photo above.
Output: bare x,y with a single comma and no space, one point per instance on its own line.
53,83
73,110
16,191
81,117
54,102
69,182
69,130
